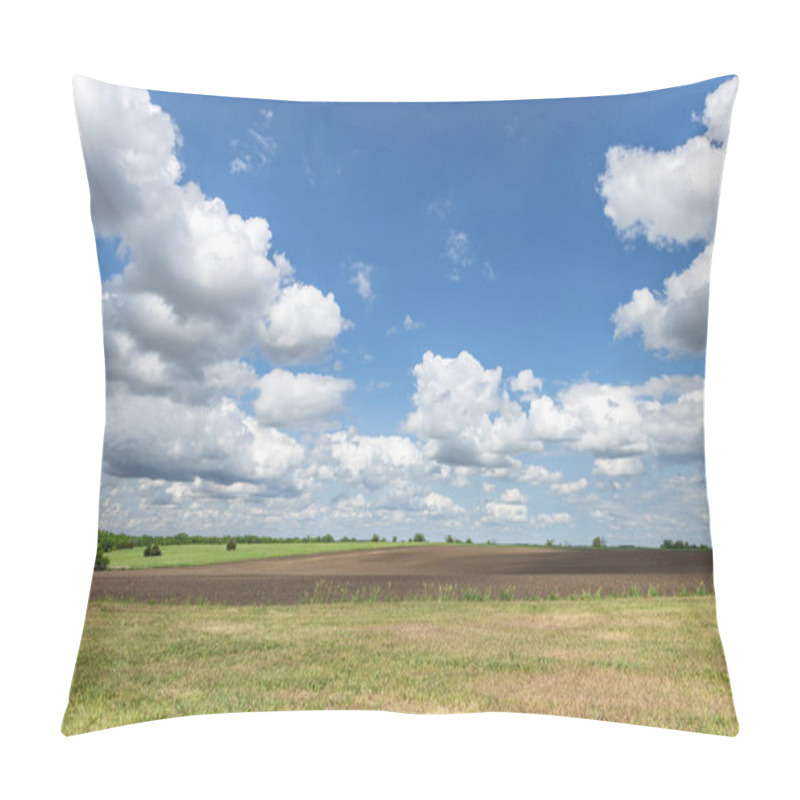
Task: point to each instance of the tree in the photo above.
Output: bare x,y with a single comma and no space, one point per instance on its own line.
231,545
598,542
101,560
419,537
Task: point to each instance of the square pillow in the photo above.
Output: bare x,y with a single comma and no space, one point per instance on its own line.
404,407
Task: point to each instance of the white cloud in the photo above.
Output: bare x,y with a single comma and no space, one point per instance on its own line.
534,475
463,415
466,419
288,400
303,324
675,319
240,165
459,251
513,496
617,467
717,112
371,460
411,325
670,196
198,285
198,291
265,146
157,437
361,280
505,512
439,505
352,508
570,488
546,520
525,382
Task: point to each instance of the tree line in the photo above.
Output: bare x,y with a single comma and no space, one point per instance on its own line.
108,540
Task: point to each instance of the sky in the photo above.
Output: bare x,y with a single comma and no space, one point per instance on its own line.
484,320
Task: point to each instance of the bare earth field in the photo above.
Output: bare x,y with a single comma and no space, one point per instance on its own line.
412,572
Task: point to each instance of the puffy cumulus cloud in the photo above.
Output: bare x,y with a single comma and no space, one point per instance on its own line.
662,417
674,320
468,420
198,285
303,323
158,438
199,290
717,111
667,197
373,461
670,196
513,496
289,400
438,505
526,382
505,512
511,508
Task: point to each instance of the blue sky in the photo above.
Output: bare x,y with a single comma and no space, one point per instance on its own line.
477,319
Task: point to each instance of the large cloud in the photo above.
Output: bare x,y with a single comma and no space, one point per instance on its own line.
198,284
159,438
676,319
671,197
198,291
466,417
287,400
372,461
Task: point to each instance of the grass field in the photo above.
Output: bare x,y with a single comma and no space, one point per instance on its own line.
187,555
652,661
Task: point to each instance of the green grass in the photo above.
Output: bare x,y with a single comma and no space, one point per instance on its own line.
652,661
187,555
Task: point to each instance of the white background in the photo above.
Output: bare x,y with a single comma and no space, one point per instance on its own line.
52,386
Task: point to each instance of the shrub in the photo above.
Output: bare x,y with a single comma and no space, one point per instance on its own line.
152,550
231,544
101,560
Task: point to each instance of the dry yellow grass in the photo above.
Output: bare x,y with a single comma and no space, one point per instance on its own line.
648,661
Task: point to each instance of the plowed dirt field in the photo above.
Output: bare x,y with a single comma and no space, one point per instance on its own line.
413,572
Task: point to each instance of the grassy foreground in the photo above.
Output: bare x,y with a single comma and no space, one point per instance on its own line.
648,661
188,555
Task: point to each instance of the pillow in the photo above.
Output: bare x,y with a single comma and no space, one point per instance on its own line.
404,407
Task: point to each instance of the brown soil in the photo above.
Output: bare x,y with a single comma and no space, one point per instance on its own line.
413,571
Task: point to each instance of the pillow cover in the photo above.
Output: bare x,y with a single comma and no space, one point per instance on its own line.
404,407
